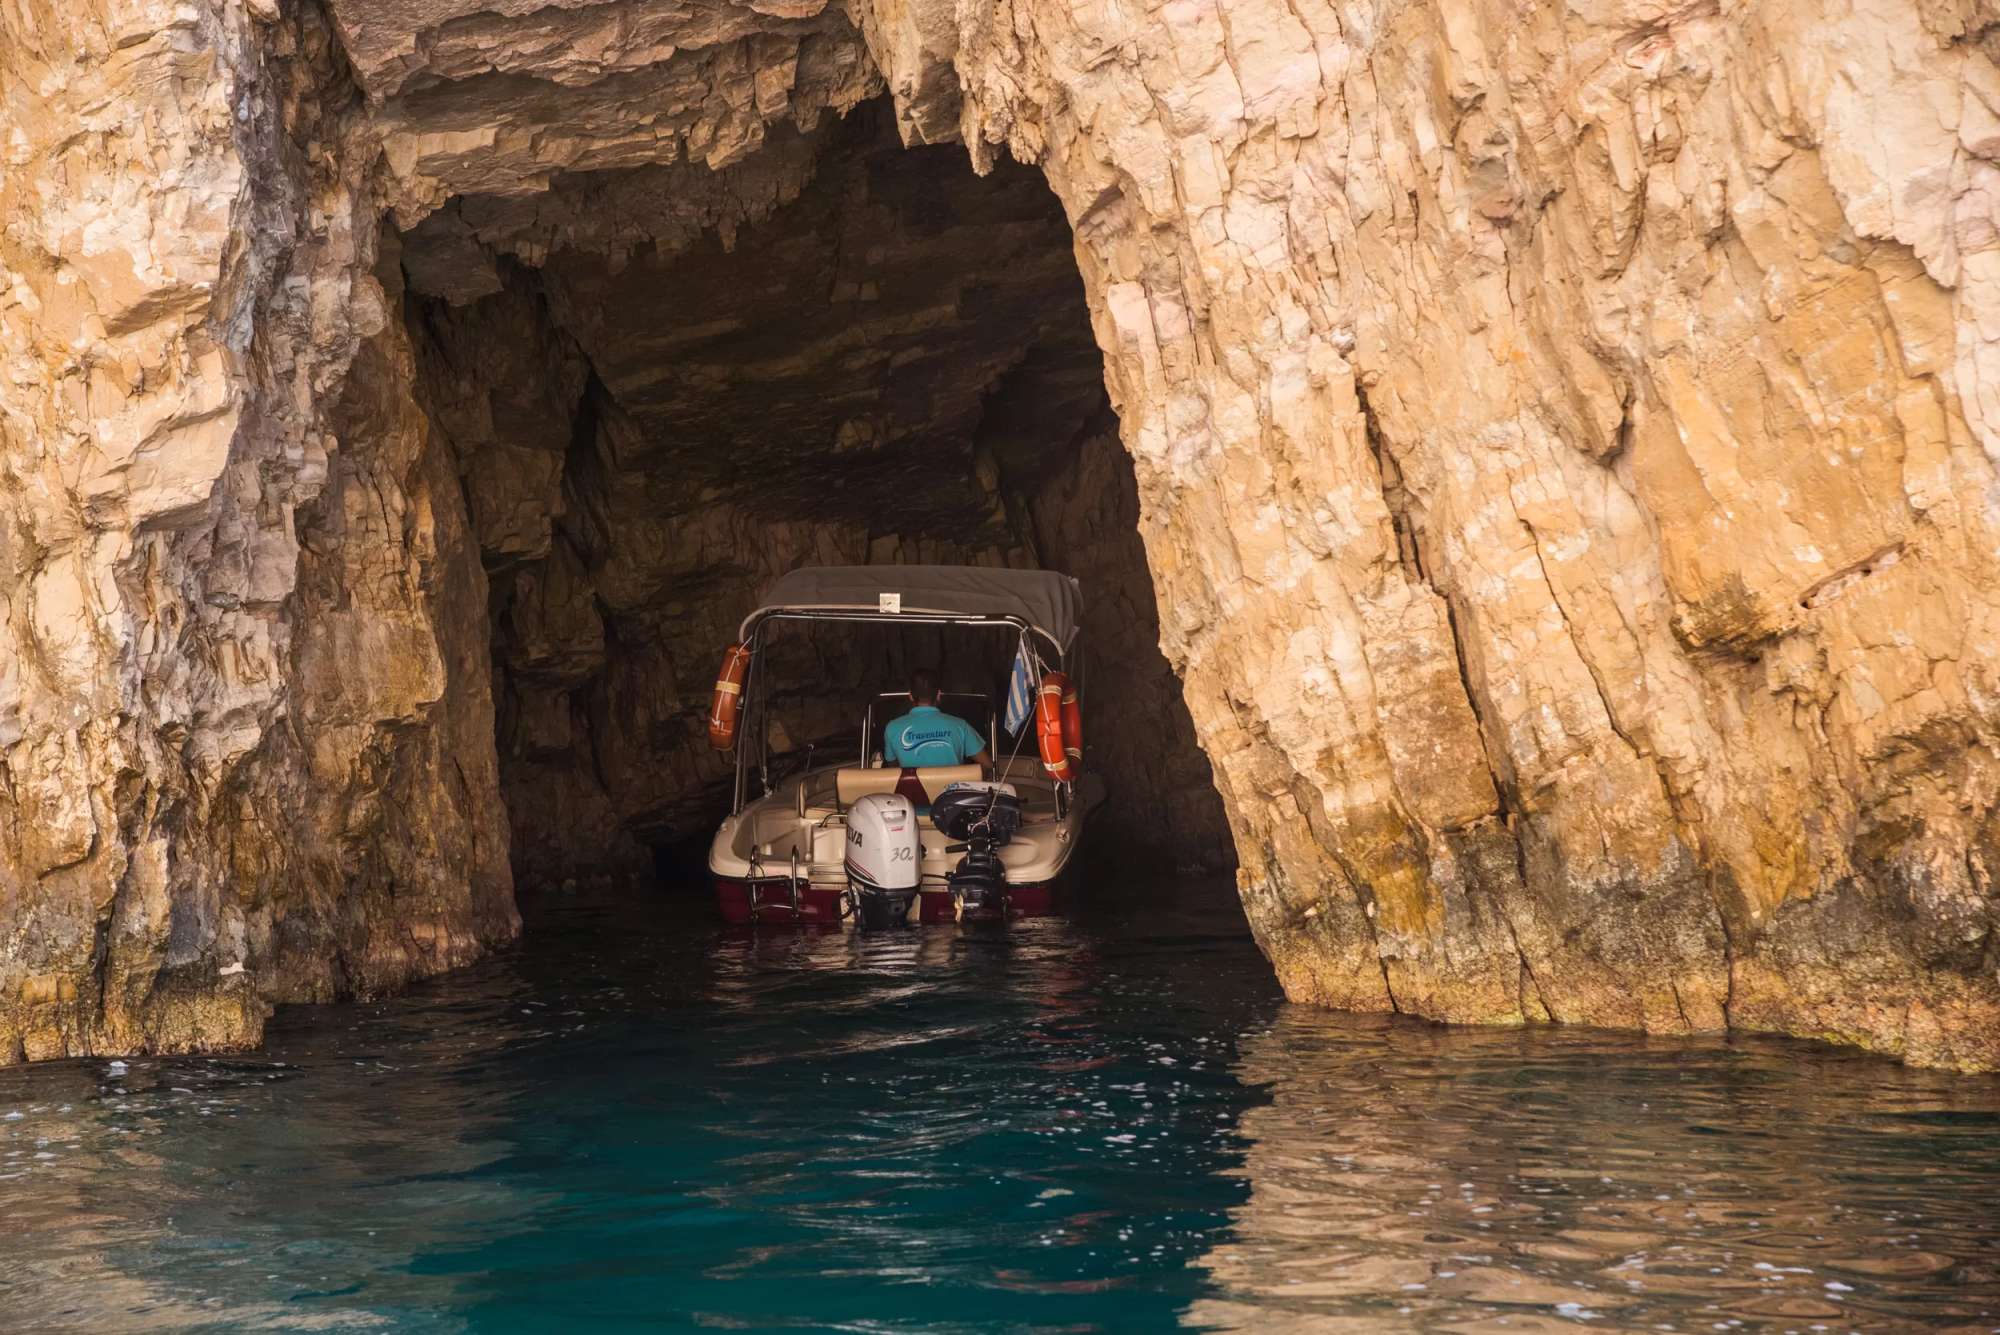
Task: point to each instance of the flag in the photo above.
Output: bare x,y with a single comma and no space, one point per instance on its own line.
1020,689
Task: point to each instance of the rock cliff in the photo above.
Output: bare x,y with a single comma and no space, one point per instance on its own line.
1560,440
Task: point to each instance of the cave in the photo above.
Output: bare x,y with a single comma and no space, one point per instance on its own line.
1527,482
890,359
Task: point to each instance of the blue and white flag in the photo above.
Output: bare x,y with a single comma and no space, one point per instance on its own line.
1020,689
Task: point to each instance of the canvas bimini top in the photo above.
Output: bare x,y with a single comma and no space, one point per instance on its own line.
1046,602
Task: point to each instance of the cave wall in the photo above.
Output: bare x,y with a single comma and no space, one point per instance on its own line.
1162,811
893,362
1597,390
1564,444
242,766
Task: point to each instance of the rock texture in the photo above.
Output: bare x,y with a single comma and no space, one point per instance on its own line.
1563,463
1564,443
238,766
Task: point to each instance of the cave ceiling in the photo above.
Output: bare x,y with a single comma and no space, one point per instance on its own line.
838,329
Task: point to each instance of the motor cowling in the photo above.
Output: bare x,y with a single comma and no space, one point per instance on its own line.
985,809
984,818
884,858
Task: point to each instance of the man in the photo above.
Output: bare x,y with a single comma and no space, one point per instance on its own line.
929,736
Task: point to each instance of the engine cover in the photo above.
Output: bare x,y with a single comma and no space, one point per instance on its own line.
884,851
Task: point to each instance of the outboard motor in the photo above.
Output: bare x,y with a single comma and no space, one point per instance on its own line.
884,858
982,819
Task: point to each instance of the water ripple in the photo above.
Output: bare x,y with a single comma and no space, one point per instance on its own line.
1106,1124
1404,1177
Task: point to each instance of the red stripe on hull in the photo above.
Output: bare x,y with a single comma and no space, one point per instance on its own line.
820,907
772,900
1031,901
1023,901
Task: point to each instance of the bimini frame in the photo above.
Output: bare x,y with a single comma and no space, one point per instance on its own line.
1036,604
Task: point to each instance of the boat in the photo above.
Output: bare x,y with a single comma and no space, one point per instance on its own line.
852,842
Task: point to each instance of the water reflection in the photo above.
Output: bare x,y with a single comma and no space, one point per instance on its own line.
1105,1124
196,1193
1404,1177
627,1123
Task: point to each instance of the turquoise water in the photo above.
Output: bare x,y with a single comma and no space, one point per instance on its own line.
634,1121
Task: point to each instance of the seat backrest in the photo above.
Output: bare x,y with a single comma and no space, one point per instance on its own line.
854,781
921,786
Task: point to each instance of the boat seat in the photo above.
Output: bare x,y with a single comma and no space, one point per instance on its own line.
921,785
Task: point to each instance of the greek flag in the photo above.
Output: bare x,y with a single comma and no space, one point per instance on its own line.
1020,690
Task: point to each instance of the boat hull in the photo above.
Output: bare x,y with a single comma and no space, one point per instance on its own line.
768,903
1023,901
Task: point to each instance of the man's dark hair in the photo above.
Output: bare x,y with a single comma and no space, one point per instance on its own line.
923,687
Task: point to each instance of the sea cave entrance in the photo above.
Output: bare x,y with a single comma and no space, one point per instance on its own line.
663,386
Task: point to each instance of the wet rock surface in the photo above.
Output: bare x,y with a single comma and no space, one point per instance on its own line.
1562,447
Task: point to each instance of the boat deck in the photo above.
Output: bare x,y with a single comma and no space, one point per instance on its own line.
800,826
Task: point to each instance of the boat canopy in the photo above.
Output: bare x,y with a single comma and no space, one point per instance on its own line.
1042,600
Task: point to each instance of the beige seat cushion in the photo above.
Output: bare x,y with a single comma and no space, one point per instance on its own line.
855,781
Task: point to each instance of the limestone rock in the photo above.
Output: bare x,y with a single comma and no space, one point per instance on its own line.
1563,442
1590,392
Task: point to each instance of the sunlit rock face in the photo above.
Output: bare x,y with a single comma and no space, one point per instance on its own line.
238,766
1562,444
1596,402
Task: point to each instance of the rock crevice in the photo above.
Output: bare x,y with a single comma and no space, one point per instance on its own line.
1550,484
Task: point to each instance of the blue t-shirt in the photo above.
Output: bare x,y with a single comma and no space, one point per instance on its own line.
929,736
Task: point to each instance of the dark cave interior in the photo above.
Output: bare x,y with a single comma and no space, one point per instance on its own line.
657,401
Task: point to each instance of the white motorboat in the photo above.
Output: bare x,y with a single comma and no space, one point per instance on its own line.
858,841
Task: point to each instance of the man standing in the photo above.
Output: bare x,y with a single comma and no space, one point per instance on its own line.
929,736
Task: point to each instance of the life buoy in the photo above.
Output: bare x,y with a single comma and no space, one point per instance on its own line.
1072,714
1049,727
725,710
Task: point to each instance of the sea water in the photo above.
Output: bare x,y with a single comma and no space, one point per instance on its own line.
635,1120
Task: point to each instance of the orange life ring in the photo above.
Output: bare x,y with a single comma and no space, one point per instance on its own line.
1072,714
1049,727
725,710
